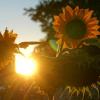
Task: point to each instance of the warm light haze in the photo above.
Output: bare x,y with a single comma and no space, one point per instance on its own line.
12,16
25,65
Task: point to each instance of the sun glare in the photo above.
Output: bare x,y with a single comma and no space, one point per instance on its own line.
25,65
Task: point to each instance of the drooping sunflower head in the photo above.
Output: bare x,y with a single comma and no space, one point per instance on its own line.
74,25
77,71
7,47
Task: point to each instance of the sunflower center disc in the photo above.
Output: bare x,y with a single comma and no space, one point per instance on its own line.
75,29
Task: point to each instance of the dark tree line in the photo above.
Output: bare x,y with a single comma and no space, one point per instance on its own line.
47,9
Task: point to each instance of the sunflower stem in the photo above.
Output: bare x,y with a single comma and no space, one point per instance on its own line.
26,44
60,48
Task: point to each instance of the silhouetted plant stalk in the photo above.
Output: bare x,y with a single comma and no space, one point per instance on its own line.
76,64
26,44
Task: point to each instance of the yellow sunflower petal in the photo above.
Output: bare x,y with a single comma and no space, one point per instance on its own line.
90,35
69,11
64,12
95,27
62,17
95,33
1,37
76,11
13,37
76,24
94,22
85,12
81,13
88,15
6,34
57,20
57,23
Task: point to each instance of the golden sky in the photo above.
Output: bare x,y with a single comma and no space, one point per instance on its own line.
12,16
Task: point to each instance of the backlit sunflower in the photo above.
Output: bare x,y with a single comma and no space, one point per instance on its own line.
7,47
77,69
78,72
74,25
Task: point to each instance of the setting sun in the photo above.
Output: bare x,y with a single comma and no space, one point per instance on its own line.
25,65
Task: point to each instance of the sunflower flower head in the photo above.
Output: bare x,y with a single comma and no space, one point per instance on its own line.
74,25
7,47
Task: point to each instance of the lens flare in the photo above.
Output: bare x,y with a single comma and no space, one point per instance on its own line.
25,65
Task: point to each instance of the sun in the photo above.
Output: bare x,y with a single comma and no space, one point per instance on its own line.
25,65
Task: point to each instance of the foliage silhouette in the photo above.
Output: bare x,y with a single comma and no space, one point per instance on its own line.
47,9
13,87
44,14
7,47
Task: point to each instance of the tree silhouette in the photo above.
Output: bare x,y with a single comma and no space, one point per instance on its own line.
45,11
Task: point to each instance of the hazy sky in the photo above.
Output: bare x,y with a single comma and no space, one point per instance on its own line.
12,16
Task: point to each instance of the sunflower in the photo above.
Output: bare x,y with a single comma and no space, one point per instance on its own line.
77,72
74,25
77,69
7,47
